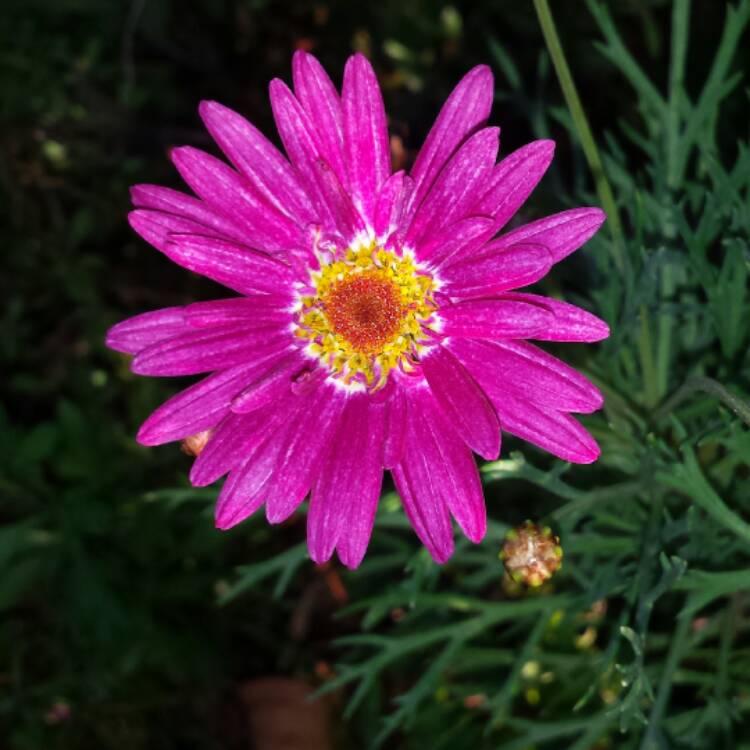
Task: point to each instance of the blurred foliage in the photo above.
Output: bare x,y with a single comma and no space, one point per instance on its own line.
128,621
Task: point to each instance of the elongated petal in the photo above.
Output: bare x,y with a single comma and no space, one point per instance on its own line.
513,181
176,203
560,233
318,96
259,161
203,350
457,241
300,460
302,145
570,323
463,401
140,331
454,472
396,416
245,489
255,311
454,190
425,508
389,205
228,192
346,490
156,227
494,319
346,217
197,408
527,372
240,268
270,385
238,437
497,269
557,433
366,149
466,109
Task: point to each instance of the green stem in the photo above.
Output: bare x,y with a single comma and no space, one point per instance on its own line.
648,366
706,385
580,120
676,651
680,28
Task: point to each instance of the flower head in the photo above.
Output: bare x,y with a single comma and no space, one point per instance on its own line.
376,324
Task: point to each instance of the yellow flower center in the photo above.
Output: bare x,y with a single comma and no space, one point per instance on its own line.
370,311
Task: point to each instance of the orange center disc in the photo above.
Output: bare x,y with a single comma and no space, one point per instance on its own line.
365,309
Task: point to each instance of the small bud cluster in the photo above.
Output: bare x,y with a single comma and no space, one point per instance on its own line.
531,554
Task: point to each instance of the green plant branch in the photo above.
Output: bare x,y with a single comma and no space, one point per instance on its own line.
688,479
590,150
702,384
680,28
676,652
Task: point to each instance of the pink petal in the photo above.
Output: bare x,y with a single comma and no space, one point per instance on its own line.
389,205
527,372
570,323
255,311
197,408
453,471
156,226
270,385
300,459
259,161
236,439
396,418
560,233
497,269
302,145
454,190
319,98
245,489
347,220
463,401
513,181
466,109
557,433
346,490
494,319
457,241
220,186
366,149
425,508
173,202
240,268
140,331
203,350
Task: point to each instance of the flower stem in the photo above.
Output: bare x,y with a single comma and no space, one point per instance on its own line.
706,385
590,150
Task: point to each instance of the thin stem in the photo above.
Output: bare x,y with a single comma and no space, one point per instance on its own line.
590,150
680,28
650,741
706,385
648,366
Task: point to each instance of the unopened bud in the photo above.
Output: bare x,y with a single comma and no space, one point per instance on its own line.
531,554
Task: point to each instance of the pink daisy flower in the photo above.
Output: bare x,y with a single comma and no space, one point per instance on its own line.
376,326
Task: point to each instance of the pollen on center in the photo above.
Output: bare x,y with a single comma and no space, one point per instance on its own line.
365,312
365,309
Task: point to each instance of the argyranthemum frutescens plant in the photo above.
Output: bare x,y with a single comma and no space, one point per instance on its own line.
378,325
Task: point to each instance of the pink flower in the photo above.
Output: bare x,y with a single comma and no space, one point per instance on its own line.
376,327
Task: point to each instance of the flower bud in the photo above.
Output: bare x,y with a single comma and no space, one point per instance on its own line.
531,554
